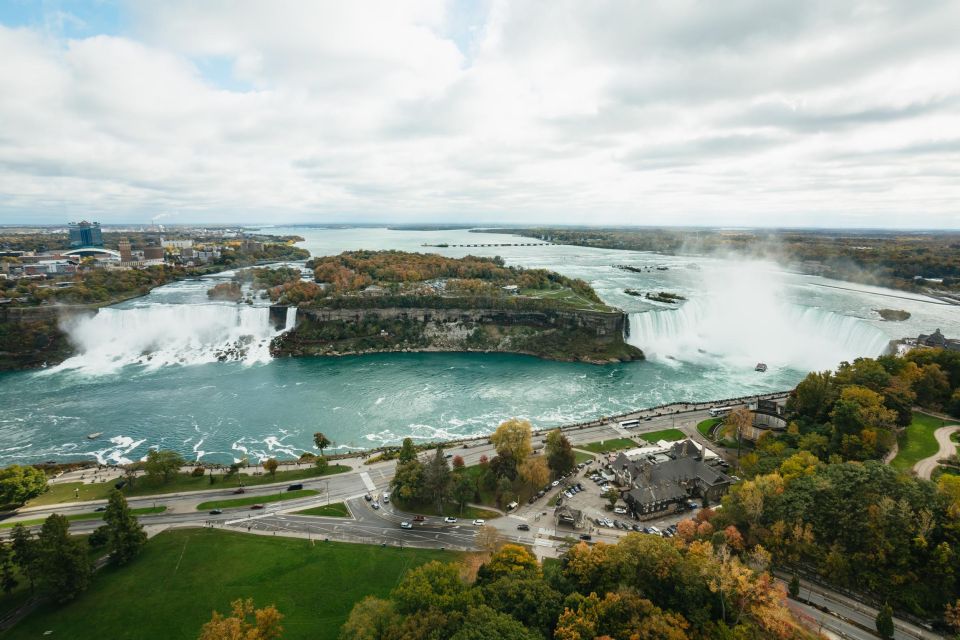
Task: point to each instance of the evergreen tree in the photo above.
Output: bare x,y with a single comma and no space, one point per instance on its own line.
8,581
885,621
560,455
125,535
25,554
794,587
63,565
437,479
407,451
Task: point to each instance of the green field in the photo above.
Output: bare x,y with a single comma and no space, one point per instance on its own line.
335,510
610,444
917,441
565,296
60,493
249,500
200,570
663,434
93,515
580,456
706,426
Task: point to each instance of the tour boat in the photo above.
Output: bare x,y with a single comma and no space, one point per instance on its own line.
94,436
760,367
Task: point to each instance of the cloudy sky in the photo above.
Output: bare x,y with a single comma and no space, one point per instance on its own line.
742,112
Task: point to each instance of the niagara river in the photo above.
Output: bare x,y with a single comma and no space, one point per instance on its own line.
174,370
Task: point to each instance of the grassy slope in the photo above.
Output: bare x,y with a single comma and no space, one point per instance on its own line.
610,444
200,570
60,493
93,515
917,441
335,510
249,500
707,425
663,434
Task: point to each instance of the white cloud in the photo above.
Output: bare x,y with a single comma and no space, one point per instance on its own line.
749,112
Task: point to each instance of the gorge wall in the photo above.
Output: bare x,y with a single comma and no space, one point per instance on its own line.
571,335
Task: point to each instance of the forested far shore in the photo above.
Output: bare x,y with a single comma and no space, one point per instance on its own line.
912,261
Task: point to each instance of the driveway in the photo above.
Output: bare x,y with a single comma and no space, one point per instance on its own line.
925,467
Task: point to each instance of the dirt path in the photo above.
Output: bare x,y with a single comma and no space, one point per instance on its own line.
925,467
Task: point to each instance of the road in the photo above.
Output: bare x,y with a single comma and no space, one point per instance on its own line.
948,447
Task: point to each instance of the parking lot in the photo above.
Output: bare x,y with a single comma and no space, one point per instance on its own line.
584,494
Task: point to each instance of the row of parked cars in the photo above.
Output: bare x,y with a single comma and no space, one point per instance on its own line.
667,532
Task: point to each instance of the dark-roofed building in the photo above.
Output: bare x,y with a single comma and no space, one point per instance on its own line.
653,488
564,515
937,340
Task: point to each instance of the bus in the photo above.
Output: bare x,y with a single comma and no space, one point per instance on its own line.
629,424
716,412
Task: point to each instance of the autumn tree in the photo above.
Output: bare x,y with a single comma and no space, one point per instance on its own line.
125,535
513,436
245,622
736,422
270,465
559,452
534,472
509,561
320,441
370,619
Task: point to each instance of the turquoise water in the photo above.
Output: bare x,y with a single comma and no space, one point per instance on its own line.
148,373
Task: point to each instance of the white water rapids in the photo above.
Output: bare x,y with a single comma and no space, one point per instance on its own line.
157,335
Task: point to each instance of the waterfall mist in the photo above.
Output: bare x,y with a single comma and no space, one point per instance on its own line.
157,335
741,317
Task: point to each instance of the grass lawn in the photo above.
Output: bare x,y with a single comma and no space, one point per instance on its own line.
565,296
249,500
449,509
663,434
335,510
610,444
917,441
707,426
93,515
64,492
201,570
583,457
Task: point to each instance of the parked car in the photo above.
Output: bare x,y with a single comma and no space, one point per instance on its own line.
586,536
523,527
479,522
216,512
620,511
375,504
450,520
254,507
636,528
368,498
295,487
554,483
406,525
532,499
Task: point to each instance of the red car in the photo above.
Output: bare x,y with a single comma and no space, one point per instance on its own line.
256,506
419,519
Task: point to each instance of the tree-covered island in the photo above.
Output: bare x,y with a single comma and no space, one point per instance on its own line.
368,301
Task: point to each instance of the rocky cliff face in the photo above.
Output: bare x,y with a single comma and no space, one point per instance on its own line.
587,336
31,337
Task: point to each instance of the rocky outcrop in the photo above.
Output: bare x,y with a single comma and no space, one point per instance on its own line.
31,337
587,336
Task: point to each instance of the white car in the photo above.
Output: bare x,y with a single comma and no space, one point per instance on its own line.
479,523
620,511
386,498
406,525
450,520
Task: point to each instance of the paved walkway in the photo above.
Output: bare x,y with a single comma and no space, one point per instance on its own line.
948,447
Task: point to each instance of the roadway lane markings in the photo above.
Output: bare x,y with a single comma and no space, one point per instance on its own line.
367,481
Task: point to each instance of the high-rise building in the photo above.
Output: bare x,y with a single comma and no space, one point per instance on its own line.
126,252
85,234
